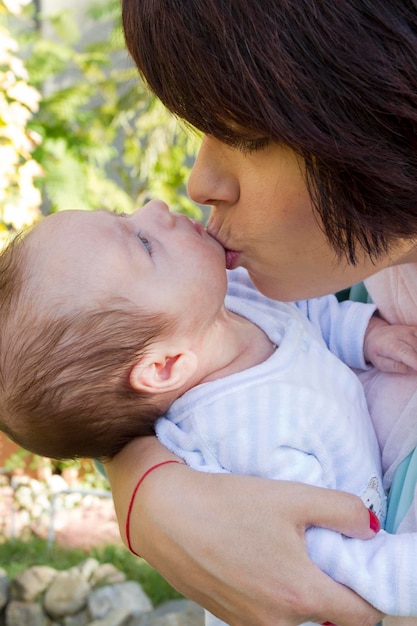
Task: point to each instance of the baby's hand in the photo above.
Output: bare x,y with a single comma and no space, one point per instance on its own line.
391,348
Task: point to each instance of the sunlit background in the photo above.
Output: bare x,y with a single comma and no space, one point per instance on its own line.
77,130
77,127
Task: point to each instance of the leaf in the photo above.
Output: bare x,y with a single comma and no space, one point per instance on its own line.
106,141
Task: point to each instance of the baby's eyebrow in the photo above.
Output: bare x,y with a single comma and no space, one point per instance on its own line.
121,227
124,227
114,212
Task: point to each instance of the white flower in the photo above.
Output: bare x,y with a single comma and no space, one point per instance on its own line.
25,94
15,6
19,198
6,41
24,210
17,138
9,158
16,114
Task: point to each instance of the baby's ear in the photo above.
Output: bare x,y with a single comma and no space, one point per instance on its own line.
159,372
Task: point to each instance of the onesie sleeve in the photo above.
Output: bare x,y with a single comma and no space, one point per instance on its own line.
382,570
342,326
183,439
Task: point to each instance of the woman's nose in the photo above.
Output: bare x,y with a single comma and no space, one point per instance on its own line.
212,180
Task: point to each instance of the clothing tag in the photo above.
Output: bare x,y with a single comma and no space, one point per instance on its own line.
374,498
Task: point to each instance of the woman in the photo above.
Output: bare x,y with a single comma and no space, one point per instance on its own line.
309,161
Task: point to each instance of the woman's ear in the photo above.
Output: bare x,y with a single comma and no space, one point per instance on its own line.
159,372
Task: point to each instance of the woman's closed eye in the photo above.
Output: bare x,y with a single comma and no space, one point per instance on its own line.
248,146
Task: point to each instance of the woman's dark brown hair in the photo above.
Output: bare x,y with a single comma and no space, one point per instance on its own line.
336,81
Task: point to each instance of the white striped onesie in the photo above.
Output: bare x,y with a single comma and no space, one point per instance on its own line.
301,415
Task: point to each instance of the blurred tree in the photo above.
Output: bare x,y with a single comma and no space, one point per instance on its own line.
106,141
101,140
19,199
77,122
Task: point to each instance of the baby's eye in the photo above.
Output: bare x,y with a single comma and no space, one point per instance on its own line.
146,243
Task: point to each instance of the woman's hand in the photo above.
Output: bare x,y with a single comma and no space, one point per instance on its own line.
235,544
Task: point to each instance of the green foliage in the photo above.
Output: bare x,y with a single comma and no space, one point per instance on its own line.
17,461
19,199
17,555
137,569
105,140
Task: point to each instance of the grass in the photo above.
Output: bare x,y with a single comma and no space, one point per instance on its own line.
19,554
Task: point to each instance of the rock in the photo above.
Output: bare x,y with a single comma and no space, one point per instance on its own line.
88,568
83,618
25,614
117,617
66,595
4,588
173,613
29,584
129,595
107,574
48,597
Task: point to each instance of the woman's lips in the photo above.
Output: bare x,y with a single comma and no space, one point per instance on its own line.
232,258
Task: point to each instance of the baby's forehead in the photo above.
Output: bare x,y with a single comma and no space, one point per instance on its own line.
46,237
45,243
68,256
56,223
67,234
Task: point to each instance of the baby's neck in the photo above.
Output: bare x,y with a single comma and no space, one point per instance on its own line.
233,344
243,346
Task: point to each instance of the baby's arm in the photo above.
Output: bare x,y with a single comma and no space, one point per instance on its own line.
391,348
383,570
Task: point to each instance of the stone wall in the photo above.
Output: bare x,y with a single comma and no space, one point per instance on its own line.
90,594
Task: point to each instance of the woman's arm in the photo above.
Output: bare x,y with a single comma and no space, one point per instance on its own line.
236,544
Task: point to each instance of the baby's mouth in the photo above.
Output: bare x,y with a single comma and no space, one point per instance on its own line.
197,226
232,258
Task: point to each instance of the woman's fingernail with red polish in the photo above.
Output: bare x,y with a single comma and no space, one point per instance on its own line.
328,624
374,522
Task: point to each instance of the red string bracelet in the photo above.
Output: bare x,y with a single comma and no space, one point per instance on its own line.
132,499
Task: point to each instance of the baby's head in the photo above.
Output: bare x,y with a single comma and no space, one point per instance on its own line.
90,302
64,388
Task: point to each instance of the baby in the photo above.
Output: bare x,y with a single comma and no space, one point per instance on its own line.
109,322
